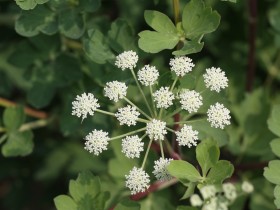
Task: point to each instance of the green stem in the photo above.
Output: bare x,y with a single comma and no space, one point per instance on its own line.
161,149
34,124
176,10
174,112
140,110
3,138
184,122
153,103
146,154
126,134
105,112
171,130
174,83
141,91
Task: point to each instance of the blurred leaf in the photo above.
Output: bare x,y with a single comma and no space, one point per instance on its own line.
274,18
121,36
29,4
277,196
183,170
41,94
164,37
155,202
127,205
186,208
30,23
189,191
13,118
207,155
271,173
234,1
18,144
89,5
64,202
222,170
71,23
96,47
85,184
274,120
275,146
189,47
198,19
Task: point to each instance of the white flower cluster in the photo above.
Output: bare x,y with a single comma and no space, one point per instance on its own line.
216,199
161,105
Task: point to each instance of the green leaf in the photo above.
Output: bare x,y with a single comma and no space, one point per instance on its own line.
189,47
127,205
26,4
271,173
159,22
89,5
30,23
153,42
275,146
121,36
183,170
277,196
96,47
41,94
274,120
186,208
18,144
189,191
207,155
198,19
274,18
85,184
13,118
219,172
71,23
64,202
233,1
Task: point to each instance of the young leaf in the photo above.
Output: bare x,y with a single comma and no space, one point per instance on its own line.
64,202
198,19
207,155
275,146
13,118
271,173
274,120
183,170
219,172
18,144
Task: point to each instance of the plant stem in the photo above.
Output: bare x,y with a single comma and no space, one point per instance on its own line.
34,124
141,91
183,122
169,129
176,10
161,149
126,134
252,5
153,103
140,110
174,83
146,154
174,112
105,112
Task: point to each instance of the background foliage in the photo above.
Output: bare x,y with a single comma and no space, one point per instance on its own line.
50,51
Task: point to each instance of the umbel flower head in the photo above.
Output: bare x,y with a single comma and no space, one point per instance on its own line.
156,129
181,65
148,75
215,79
137,180
190,100
132,146
163,97
115,90
160,170
96,141
84,104
127,115
218,116
126,60
230,191
187,136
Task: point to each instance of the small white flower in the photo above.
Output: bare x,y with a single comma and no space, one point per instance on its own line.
132,146
126,60
187,136
163,97
115,90
218,116
156,129
181,65
96,141
215,79
195,200
137,180
148,75
247,187
211,204
208,191
190,100
84,104
230,191
127,115
160,171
